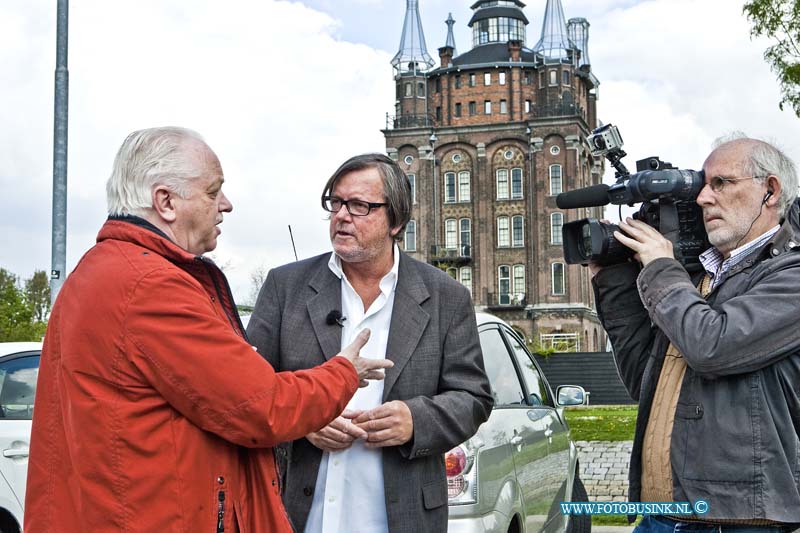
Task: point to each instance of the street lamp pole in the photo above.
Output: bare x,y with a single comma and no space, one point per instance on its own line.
58,269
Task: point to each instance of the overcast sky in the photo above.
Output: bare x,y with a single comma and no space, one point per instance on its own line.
285,91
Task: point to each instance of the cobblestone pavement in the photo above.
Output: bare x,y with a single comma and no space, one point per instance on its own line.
604,469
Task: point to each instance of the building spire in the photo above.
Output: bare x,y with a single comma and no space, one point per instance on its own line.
451,40
554,43
578,29
413,54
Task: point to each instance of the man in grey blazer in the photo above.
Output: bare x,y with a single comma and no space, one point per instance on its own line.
380,466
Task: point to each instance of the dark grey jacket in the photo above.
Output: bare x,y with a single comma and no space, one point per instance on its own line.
438,371
735,440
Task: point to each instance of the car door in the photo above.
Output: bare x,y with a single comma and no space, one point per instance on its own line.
18,374
522,426
552,472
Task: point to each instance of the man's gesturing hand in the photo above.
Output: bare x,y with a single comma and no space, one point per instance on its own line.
648,243
339,434
365,368
389,424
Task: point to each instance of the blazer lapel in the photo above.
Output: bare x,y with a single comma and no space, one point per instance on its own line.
408,323
328,298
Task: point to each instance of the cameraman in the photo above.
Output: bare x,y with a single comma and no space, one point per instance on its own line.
714,359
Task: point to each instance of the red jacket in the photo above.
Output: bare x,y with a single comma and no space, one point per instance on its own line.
153,413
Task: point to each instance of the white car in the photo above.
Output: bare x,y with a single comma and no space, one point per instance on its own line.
19,368
511,476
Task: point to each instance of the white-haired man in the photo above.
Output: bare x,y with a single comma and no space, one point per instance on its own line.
714,360
153,412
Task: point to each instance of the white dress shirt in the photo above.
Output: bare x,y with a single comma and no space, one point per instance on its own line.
349,493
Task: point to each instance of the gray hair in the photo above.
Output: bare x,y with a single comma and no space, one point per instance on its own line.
396,187
146,159
764,159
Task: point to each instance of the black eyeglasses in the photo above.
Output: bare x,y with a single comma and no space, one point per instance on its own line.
358,208
717,183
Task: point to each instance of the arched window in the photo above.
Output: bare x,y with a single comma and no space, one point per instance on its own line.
465,274
502,184
516,183
504,285
412,180
449,187
555,180
517,231
410,239
450,234
556,224
465,232
558,279
503,240
463,186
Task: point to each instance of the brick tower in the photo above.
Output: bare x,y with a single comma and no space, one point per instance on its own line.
488,139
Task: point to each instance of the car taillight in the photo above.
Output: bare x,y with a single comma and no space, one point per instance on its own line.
455,461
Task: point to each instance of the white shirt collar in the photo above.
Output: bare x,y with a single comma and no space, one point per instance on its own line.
388,282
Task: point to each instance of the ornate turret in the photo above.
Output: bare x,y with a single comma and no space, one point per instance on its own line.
413,54
497,21
578,30
554,45
451,40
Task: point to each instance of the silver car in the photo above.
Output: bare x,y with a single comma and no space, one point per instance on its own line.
19,368
511,476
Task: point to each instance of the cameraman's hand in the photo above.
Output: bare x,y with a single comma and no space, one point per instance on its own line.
594,268
648,243
365,368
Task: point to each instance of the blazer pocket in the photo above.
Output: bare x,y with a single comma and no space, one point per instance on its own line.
434,494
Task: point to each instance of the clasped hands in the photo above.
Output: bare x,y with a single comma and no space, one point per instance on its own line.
389,424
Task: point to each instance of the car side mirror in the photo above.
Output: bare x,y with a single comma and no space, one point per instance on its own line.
571,395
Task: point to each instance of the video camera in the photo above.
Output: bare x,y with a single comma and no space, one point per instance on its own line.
669,206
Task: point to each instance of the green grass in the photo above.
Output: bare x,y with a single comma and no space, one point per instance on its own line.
612,423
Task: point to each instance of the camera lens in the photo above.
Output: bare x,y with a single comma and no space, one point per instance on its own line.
599,142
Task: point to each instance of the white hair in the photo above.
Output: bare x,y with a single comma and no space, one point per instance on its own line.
765,159
146,159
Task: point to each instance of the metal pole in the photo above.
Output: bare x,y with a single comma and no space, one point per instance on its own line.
58,269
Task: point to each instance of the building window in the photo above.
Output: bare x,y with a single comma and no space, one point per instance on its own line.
555,179
558,279
526,79
449,187
465,232
519,283
502,184
517,231
411,236
452,272
412,180
527,106
487,78
408,89
556,223
421,89
465,274
463,186
458,110
501,78
450,234
473,80
565,77
555,150
503,106
473,108
487,107
438,113
408,159
456,158
503,240
504,284
553,77
458,81
541,79
438,85
516,183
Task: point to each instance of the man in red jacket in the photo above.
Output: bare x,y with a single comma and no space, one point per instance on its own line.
153,412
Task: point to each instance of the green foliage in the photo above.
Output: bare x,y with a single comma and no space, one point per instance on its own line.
37,292
780,21
537,348
613,423
18,313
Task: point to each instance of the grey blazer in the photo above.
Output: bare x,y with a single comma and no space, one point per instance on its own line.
438,371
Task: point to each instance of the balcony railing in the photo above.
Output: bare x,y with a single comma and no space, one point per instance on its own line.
564,109
459,254
503,300
409,121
